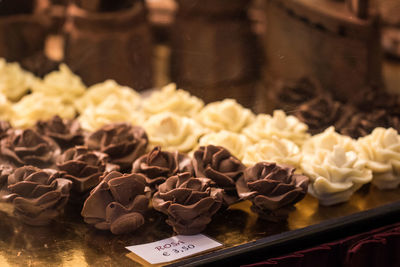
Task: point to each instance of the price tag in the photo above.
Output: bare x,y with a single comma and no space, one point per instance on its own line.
174,248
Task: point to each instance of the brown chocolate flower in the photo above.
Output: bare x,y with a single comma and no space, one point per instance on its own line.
362,123
290,95
117,203
83,167
218,164
158,165
123,142
189,202
5,171
27,147
38,195
5,126
323,112
273,189
67,133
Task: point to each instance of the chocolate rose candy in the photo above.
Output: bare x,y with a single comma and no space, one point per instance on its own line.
362,123
217,163
27,147
117,203
5,126
38,195
322,112
189,202
5,171
123,142
67,133
288,96
273,189
83,167
158,165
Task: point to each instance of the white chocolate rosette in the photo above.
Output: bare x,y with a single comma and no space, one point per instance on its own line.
225,115
173,132
334,167
280,125
5,108
98,93
37,106
62,83
111,110
381,150
14,81
173,100
234,142
327,140
273,149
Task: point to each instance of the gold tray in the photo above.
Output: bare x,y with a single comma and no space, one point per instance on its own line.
71,242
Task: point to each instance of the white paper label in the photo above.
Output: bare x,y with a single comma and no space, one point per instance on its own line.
174,248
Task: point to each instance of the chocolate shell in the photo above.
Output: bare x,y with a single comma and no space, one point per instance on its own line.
28,147
219,165
123,143
67,133
273,189
83,167
158,165
189,202
117,203
38,195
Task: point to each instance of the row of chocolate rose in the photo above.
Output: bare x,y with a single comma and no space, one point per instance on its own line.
251,138
310,103
119,201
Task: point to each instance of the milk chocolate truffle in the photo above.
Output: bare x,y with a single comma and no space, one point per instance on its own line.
322,112
28,147
273,189
38,195
67,133
363,123
217,164
189,202
123,142
158,165
117,203
83,167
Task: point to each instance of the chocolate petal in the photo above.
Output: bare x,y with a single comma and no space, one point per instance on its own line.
95,205
125,189
127,223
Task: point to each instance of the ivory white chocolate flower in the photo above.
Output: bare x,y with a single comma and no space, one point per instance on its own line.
37,106
334,174
62,83
98,93
381,150
327,140
109,111
225,115
173,132
273,149
14,81
173,100
280,125
234,142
